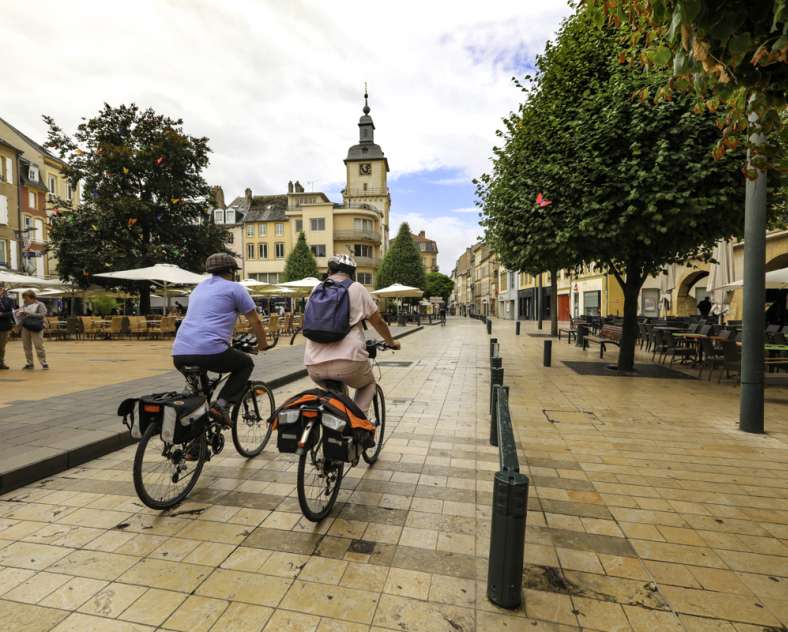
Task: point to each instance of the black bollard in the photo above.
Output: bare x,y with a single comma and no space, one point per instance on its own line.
496,379
517,328
489,327
494,416
493,342
548,352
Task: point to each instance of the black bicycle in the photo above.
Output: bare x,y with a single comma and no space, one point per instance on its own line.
166,468
319,476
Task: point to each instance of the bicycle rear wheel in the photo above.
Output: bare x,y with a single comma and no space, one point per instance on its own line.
163,477
250,423
318,480
370,455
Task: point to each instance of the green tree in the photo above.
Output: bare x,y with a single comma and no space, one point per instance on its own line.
103,304
635,186
301,262
145,196
402,263
438,284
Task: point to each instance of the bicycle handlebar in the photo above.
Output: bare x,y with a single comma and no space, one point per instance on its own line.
248,343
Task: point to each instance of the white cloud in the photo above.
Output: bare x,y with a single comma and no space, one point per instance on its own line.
468,210
451,234
277,86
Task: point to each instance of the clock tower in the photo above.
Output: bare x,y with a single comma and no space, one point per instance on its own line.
367,174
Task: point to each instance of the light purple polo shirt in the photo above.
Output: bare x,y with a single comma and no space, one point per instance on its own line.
214,306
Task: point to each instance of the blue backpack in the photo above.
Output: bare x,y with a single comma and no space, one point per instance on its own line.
327,314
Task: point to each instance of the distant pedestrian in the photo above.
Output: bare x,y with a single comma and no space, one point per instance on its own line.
7,307
704,307
30,318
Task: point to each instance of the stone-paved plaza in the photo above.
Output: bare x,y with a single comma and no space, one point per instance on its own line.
648,510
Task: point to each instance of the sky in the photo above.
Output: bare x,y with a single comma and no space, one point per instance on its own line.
277,86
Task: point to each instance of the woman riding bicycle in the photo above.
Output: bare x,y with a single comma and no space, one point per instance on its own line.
347,360
203,339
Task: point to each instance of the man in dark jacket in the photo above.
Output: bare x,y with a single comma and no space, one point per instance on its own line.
704,307
7,307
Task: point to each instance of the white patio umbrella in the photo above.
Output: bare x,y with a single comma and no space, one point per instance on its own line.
251,284
721,274
775,280
163,274
41,293
12,278
397,290
275,290
307,283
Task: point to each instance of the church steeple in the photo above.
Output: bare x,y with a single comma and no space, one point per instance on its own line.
366,128
366,149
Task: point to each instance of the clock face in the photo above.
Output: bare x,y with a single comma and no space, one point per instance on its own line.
365,169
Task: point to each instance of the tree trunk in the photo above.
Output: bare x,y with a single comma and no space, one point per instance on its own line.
626,354
553,302
144,298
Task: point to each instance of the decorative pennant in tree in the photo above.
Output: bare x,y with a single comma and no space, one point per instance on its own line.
132,221
542,201
160,161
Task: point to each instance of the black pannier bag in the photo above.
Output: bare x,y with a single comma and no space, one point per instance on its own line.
180,416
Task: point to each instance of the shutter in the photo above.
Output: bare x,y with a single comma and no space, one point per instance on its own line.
3,209
9,170
39,231
40,266
14,255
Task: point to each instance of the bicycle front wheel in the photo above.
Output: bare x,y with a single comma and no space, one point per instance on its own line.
165,474
250,424
318,479
370,455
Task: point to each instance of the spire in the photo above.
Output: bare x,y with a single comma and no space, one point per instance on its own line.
366,128
366,96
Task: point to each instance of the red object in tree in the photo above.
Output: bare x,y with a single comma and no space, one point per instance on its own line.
132,221
160,161
542,201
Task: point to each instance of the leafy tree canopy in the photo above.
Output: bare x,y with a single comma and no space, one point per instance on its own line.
145,198
402,263
438,284
301,262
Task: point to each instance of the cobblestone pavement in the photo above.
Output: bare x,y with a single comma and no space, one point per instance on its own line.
647,511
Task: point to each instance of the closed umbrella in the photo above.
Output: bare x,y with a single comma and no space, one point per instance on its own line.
163,274
721,274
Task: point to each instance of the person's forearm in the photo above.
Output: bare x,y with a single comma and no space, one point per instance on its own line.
381,327
258,326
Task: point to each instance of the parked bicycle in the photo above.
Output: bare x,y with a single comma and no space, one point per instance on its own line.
329,434
177,436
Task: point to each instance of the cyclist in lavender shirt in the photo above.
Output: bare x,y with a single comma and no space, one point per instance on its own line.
204,336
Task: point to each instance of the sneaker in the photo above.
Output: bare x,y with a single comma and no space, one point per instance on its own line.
45,366
219,415
27,367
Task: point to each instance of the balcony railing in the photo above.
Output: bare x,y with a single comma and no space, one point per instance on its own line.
360,192
367,262
357,235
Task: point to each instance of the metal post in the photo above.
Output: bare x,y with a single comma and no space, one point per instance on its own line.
751,404
496,378
517,328
494,415
548,352
493,342
539,304
489,327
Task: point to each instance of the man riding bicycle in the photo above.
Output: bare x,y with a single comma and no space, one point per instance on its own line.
347,360
204,336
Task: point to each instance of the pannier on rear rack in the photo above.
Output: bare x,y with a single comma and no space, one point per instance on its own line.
181,416
346,430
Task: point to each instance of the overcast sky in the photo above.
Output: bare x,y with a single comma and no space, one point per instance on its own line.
277,86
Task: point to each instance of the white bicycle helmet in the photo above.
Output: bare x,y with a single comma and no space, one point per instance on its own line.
342,263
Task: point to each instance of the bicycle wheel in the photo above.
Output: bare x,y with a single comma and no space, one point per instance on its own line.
318,480
250,428
370,455
163,476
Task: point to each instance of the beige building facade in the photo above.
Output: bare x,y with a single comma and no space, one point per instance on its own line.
428,249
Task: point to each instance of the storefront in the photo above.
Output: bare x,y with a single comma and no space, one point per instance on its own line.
526,303
586,297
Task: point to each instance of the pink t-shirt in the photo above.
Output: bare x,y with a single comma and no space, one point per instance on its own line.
352,346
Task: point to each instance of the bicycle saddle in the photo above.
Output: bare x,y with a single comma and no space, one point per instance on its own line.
334,385
193,370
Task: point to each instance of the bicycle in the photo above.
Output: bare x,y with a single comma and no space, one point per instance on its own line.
319,477
174,468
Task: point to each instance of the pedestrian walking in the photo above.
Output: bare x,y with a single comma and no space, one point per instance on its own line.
30,317
704,307
7,307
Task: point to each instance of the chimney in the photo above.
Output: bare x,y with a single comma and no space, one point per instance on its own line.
218,196
248,195
290,186
422,234
298,187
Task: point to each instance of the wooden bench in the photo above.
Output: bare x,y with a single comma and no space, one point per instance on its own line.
572,331
609,335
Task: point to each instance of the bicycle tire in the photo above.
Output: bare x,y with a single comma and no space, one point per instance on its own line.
370,455
309,514
252,387
152,431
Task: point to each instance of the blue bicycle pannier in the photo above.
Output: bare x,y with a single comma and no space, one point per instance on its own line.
327,314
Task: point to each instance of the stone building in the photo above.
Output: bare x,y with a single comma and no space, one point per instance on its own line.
429,251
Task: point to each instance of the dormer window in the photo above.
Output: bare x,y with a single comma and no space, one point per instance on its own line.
32,173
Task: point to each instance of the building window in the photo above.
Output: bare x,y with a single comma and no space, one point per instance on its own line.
365,186
3,209
250,251
299,226
230,238
365,278
279,250
266,277
229,217
317,223
69,192
262,251
31,199
218,216
261,229
32,173
39,232
280,230
364,225
53,185
362,250
250,230
319,250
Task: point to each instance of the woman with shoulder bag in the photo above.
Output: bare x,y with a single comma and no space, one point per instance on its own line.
30,318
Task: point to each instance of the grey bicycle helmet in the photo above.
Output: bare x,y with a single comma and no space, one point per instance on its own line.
342,263
221,262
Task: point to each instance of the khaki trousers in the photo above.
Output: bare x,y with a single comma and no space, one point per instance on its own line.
32,339
356,374
4,336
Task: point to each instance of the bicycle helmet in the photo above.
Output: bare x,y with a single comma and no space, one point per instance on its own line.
221,262
342,263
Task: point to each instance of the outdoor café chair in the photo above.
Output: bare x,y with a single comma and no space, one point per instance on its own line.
710,358
731,360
